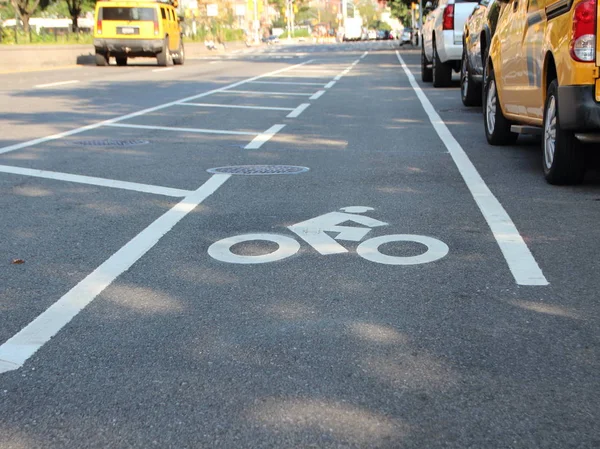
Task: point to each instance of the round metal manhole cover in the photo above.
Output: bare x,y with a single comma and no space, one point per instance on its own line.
112,143
259,170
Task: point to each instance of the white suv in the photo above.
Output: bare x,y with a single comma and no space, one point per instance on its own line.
442,39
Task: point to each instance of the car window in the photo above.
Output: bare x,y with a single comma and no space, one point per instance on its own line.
127,14
163,13
172,15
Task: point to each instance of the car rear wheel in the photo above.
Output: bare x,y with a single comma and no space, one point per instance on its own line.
442,73
180,58
497,127
426,72
164,58
121,60
470,92
101,59
563,154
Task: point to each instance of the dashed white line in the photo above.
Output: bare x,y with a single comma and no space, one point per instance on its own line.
259,140
186,130
163,70
290,83
20,347
317,95
82,129
59,83
258,92
337,78
521,262
330,84
299,110
234,106
102,182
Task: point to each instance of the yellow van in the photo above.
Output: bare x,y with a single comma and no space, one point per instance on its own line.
543,77
129,29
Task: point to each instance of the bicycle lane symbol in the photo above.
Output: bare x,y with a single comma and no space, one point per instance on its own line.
315,233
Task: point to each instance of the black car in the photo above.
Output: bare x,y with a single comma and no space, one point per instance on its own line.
477,35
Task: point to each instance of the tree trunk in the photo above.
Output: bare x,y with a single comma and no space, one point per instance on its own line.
25,19
75,11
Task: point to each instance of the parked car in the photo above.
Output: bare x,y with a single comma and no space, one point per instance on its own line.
477,35
442,38
270,40
372,35
406,37
542,77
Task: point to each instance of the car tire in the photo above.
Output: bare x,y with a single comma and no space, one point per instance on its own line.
101,59
426,72
497,127
470,91
121,60
442,73
563,156
180,59
164,58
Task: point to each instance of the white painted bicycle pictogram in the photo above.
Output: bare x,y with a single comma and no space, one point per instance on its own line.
316,232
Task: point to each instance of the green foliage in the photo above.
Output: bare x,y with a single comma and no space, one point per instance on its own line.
302,32
8,37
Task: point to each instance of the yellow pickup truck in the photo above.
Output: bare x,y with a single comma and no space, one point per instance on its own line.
542,77
129,29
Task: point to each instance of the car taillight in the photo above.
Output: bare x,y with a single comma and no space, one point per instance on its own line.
99,26
583,36
448,23
156,27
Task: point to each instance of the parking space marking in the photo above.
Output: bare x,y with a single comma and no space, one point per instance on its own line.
521,262
330,84
258,92
259,140
299,110
82,129
235,106
290,83
20,347
187,130
163,70
317,95
101,182
59,83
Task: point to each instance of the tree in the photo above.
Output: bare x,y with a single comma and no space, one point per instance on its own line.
76,7
25,8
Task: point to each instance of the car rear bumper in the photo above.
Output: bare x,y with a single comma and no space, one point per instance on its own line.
447,49
579,110
129,47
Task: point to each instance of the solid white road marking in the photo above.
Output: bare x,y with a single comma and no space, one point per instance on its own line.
291,83
186,130
337,78
257,92
521,262
20,347
103,182
233,106
369,249
299,110
330,84
82,129
317,95
221,250
163,70
364,55
259,140
59,83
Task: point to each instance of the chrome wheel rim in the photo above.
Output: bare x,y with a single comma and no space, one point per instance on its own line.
464,77
490,107
550,133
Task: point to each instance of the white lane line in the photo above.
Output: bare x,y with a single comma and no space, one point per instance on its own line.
521,262
364,55
82,129
330,84
163,70
234,106
290,83
317,95
258,92
20,347
299,110
337,78
89,180
186,130
259,140
59,83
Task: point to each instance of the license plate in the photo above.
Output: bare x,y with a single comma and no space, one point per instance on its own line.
128,30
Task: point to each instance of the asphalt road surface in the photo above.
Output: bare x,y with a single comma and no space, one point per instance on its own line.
367,273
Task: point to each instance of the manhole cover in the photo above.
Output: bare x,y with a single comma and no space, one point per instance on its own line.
111,143
259,170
